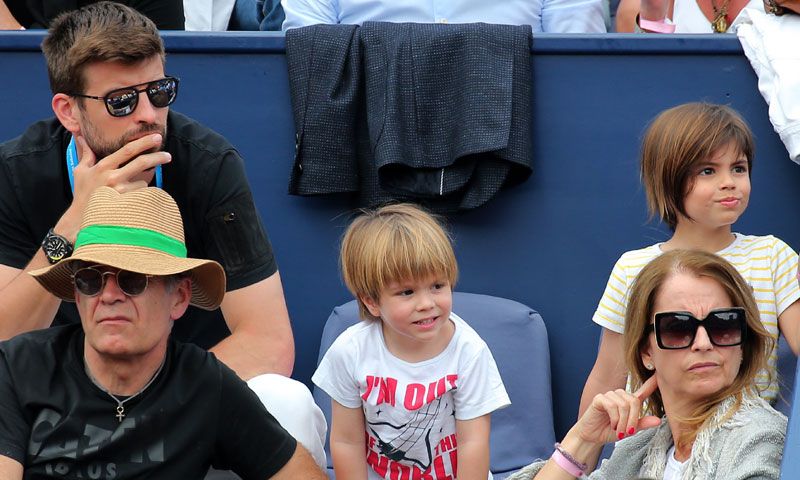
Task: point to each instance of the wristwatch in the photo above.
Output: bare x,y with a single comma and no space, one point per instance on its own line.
56,247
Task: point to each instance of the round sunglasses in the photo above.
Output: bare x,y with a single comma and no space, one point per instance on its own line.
90,281
725,327
123,101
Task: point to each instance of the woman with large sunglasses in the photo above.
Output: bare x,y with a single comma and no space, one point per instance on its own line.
694,344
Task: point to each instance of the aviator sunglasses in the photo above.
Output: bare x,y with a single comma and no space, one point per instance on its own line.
122,101
90,281
725,327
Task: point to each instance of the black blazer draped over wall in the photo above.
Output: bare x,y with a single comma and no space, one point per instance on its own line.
437,114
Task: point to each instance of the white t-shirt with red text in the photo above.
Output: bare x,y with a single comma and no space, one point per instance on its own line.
411,409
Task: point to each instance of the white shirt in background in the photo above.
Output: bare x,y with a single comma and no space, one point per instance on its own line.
207,15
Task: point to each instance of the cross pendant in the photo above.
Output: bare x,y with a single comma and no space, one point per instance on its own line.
120,413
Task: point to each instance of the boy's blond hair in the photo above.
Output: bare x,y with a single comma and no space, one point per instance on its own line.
394,243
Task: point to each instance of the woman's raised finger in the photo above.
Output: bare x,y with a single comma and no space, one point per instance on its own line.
623,402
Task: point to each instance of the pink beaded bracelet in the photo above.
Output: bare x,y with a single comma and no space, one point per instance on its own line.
567,462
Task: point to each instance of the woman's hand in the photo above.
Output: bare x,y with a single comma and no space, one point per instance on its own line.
609,418
614,415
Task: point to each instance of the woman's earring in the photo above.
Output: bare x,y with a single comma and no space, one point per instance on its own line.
649,366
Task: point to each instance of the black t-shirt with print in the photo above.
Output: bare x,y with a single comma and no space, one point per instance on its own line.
196,413
206,178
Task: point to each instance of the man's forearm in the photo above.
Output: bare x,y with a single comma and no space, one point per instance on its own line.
253,355
261,339
24,304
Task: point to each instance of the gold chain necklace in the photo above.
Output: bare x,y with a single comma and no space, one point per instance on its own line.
720,22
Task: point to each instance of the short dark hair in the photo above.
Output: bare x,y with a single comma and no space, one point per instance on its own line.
676,141
100,32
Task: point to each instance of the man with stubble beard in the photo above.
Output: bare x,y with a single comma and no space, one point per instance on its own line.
113,127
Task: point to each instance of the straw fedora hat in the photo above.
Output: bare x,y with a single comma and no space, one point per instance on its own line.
139,231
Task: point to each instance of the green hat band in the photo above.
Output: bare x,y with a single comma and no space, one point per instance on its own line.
136,237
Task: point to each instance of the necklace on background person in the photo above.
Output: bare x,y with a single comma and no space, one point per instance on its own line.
720,23
121,403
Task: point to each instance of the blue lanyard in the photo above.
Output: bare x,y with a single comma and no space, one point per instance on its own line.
72,162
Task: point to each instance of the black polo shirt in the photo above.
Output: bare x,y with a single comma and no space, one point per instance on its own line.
206,178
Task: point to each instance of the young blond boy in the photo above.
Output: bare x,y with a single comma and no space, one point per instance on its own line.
412,386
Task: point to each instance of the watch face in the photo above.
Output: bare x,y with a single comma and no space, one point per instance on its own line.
56,249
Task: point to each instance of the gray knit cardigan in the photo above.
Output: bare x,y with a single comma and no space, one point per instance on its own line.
749,445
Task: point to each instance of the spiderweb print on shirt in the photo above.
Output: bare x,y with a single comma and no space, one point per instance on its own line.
406,437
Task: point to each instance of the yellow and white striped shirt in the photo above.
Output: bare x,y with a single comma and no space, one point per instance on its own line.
767,263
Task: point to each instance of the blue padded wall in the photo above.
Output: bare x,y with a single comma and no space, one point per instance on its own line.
549,243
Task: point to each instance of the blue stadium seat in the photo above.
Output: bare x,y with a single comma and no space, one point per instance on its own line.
517,338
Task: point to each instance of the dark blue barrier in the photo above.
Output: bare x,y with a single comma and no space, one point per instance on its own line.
549,243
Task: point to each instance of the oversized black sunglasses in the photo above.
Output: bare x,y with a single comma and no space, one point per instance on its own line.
725,327
122,101
90,281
